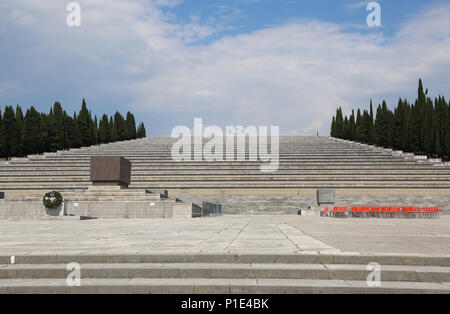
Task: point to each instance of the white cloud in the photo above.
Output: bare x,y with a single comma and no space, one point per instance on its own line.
293,75
357,5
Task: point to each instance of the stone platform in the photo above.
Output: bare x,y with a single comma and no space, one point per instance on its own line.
103,202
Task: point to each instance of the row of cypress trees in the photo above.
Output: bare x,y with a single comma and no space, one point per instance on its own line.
35,132
421,127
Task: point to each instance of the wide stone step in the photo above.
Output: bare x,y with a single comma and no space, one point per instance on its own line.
229,271
165,186
339,258
286,158
233,179
218,286
157,173
206,166
168,156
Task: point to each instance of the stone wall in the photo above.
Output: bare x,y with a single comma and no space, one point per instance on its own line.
290,204
105,210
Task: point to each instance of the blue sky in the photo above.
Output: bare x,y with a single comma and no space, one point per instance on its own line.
238,62
248,16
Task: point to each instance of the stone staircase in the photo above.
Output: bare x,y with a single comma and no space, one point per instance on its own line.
361,174
224,274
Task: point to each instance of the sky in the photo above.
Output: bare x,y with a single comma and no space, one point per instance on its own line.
285,63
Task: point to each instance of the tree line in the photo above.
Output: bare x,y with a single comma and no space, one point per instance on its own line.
421,127
38,132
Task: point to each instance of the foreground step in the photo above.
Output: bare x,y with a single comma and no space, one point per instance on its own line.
299,258
229,271
216,286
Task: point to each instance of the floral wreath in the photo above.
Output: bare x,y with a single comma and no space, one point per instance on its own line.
52,200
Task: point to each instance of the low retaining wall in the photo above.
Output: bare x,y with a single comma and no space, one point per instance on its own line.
104,210
23,210
281,204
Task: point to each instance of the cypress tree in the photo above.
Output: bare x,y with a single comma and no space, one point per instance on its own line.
19,119
372,126
83,124
406,128
352,126
94,131
104,130
379,137
390,126
346,129
66,134
11,132
366,126
428,127
120,127
447,133
359,127
44,133
141,133
131,126
333,128
57,123
399,124
32,131
339,123
2,137
444,122
114,136
73,134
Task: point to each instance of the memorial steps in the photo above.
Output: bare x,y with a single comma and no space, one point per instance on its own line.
241,274
359,173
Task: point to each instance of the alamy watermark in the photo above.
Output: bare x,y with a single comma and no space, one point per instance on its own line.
234,139
374,18
374,278
74,17
73,279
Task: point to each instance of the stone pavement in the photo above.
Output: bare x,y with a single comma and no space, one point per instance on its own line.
404,236
229,234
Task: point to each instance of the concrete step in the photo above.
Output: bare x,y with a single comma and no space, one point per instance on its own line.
168,159
235,179
236,165
229,271
167,186
340,258
151,173
216,286
226,273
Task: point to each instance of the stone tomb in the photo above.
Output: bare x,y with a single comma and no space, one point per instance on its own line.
110,171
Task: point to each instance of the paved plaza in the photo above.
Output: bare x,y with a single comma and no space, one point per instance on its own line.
279,234
405,236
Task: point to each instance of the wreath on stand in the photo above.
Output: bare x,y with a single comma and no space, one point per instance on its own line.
52,200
